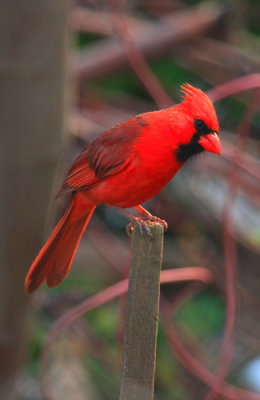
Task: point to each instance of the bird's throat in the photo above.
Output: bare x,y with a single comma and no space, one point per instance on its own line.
186,151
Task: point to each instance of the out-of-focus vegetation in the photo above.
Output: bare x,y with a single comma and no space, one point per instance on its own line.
93,346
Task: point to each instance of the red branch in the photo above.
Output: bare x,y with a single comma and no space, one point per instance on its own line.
136,58
235,86
191,362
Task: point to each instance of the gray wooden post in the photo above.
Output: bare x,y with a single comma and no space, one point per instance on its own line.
137,382
33,58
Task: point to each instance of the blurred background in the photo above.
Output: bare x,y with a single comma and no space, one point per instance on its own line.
69,71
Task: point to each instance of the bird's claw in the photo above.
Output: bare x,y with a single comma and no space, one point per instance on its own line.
153,218
142,225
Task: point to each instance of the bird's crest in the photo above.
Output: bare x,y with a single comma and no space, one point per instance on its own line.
197,104
190,92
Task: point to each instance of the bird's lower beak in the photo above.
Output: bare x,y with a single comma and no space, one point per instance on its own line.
211,143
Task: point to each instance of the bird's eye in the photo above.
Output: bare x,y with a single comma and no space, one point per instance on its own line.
199,123
201,127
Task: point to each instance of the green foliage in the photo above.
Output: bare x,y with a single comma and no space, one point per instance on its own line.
122,82
104,322
172,75
169,73
41,327
203,315
83,39
108,384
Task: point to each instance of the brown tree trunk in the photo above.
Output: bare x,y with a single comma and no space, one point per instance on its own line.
32,80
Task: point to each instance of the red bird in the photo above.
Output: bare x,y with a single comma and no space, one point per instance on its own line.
126,166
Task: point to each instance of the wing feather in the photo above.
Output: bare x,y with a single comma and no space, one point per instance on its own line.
108,155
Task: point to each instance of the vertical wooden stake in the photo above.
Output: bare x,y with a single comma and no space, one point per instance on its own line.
137,382
33,80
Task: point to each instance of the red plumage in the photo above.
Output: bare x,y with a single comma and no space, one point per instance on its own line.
127,165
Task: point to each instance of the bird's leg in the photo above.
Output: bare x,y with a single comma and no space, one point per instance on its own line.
151,217
139,221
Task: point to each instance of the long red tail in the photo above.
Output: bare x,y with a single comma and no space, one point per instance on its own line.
54,260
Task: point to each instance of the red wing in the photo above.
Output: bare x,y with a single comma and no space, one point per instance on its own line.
79,175
106,156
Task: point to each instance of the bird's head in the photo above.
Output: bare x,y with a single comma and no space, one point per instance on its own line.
200,127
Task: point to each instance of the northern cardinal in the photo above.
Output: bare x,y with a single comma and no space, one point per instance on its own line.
124,167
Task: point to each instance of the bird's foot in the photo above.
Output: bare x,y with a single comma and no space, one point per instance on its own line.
153,218
149,217
142,223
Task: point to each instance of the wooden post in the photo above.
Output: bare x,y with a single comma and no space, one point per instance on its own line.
33,42
139,355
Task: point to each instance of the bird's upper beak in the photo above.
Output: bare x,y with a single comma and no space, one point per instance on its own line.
211,143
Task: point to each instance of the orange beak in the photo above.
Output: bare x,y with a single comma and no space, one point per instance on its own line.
211,143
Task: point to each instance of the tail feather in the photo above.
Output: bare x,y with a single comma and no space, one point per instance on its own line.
55,258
